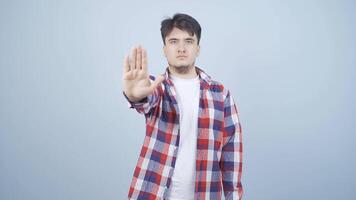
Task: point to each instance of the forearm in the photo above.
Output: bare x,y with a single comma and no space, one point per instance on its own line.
231,167
144,106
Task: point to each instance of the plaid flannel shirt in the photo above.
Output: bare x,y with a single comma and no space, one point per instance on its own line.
219,143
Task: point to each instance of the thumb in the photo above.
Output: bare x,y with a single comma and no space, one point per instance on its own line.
157,82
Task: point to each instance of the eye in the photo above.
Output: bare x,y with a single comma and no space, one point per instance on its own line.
173,42
190,41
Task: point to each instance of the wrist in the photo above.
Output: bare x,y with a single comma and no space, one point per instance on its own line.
133,99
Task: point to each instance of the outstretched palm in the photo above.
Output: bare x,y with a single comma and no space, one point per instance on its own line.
136,81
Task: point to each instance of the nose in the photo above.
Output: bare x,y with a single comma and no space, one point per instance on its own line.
181,48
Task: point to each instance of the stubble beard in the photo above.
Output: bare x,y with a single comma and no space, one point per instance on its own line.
182,69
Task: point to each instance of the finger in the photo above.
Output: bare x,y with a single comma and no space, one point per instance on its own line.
126,64
138,57
144,60
133,58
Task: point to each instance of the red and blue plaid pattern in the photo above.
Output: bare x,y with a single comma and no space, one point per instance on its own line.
219,144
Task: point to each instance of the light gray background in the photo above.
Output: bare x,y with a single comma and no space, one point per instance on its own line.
66,130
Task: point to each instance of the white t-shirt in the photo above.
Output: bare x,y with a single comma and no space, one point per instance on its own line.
183,179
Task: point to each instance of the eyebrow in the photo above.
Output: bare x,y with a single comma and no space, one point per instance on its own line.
186,39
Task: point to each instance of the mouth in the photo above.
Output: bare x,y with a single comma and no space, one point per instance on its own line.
181,57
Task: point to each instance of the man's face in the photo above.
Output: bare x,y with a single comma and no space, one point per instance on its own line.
181,49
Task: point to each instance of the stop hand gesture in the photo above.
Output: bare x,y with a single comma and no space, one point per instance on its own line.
136,81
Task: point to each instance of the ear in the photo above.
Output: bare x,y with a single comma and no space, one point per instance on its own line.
198,51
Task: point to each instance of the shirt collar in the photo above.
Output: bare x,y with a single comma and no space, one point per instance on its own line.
204,78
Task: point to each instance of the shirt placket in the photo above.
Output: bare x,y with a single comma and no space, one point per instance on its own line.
173,95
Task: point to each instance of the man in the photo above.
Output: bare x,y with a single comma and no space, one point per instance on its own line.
193,146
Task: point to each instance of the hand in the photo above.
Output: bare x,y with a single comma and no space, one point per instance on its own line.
136,81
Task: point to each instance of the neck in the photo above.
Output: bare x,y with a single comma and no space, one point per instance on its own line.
187,73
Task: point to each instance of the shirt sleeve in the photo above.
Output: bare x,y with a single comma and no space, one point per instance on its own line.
147,104
231,156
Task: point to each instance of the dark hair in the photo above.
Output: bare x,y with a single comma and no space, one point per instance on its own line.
183,22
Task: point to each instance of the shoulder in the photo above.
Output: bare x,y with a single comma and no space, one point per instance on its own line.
219,88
